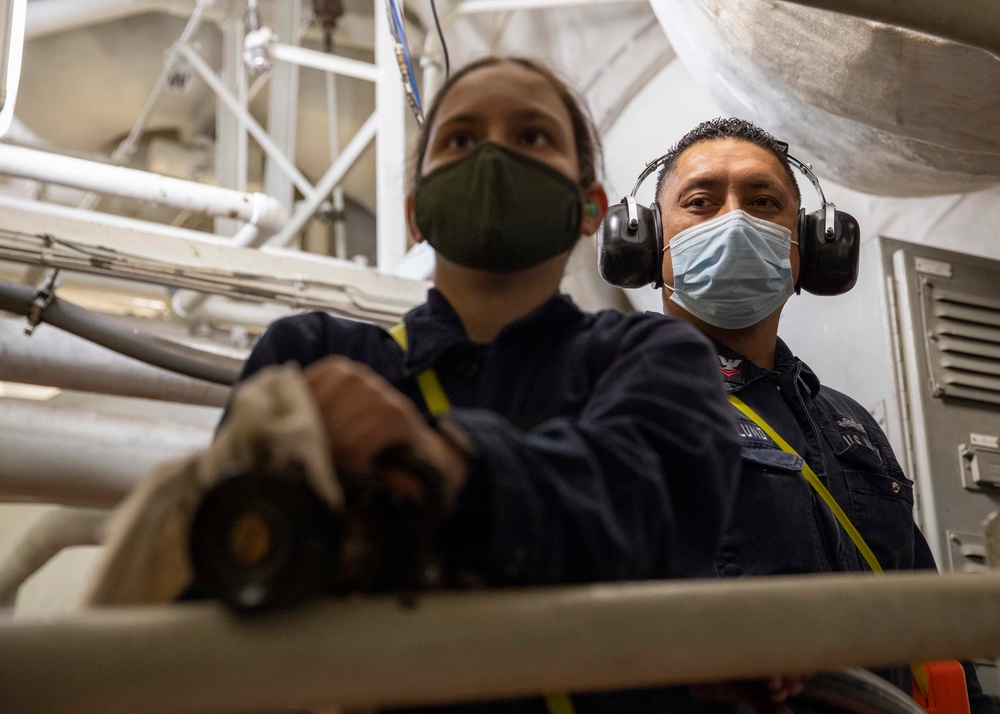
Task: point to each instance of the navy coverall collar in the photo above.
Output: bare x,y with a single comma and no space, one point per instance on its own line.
738,371
434,327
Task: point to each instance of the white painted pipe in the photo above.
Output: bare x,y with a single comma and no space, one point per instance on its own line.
972,22
48,17
223,312
83,457
53,358
198,198
305,57
55,531
97,220
480,645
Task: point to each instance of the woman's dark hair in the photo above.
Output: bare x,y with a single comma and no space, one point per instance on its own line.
588,145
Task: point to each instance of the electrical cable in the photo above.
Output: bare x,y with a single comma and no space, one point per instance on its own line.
444,45
401,38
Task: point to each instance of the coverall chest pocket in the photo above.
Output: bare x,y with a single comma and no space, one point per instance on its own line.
881,496
882,507
771,529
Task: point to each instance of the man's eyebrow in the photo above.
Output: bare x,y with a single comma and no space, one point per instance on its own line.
703,182
768,183
709,182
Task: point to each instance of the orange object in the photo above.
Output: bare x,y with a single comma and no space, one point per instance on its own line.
946,691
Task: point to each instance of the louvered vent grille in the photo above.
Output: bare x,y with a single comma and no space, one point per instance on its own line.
963,348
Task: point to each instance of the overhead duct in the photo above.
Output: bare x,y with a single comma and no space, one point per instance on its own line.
876,107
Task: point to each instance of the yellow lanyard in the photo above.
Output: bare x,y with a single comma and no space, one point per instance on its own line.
438,404
428,382
814,481
919,671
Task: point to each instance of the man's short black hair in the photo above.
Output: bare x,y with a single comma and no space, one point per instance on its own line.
727,128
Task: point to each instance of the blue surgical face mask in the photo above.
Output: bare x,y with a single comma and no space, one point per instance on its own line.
732,271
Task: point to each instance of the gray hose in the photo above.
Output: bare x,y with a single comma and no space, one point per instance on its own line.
129,342
855,691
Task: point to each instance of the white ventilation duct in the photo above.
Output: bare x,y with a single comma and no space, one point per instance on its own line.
877,108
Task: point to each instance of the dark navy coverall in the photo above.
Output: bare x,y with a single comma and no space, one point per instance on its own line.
779,525
608,451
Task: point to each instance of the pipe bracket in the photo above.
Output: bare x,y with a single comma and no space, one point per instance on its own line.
43,297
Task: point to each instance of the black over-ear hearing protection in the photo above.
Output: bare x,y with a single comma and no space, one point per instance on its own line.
630,242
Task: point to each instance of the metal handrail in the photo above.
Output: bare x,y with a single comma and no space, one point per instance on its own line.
452,647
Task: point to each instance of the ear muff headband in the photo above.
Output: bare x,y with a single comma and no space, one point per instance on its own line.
630,241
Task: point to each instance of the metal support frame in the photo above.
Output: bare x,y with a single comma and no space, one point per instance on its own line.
282,110
231,134
339,216
282,175
330,180
260,135
390,221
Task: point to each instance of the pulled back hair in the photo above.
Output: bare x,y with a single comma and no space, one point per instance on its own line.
588,145
727,128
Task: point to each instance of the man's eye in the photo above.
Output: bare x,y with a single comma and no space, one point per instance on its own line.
697,202
765,201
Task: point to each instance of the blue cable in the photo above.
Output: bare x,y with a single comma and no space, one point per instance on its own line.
401,34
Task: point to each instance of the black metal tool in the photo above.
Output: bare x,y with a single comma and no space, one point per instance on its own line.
264,541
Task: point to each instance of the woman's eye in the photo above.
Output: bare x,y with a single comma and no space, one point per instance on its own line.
535,137
460,141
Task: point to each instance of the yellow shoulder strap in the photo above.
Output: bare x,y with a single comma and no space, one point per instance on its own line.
437,403
814,481
919,670
427,381
559,704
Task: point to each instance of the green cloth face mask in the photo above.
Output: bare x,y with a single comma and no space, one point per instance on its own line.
498,210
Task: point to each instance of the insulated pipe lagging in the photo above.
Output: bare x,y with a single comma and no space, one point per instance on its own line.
132,343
